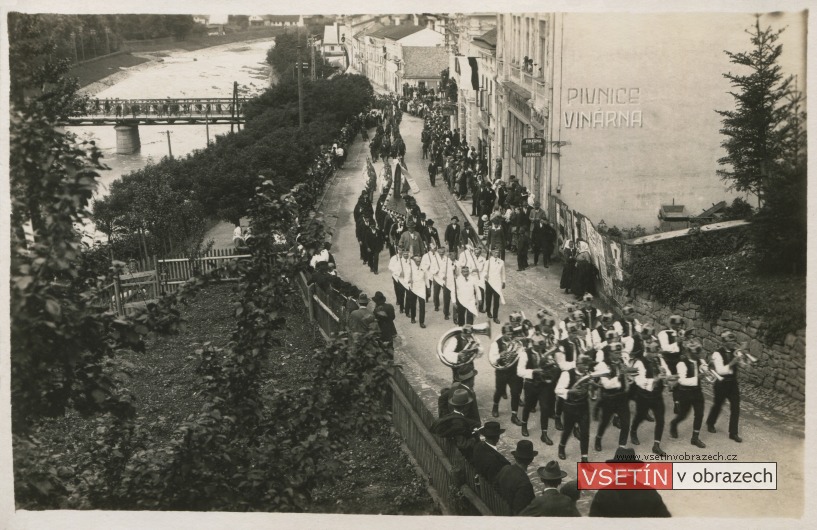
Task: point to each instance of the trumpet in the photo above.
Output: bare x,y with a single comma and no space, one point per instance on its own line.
447,350
709,375
746,359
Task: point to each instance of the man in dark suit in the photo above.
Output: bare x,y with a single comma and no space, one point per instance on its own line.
628,503
487,460
551,503
512,481
452,235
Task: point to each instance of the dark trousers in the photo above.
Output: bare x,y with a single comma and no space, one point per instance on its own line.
413,303
618,404
577,414
364,254
433,178
464,316
474,205
481,307
374,260
545,251
726,389
508,378
541,394
491,301
522,257
690,398
410,303
446,298
643,404
399,291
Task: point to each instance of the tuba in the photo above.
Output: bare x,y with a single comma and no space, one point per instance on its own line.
507,359
447,346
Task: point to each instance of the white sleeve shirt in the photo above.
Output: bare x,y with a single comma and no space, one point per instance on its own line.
720,366
561,386
608,382
663,339
685,379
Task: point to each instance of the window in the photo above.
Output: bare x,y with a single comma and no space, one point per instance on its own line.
543,49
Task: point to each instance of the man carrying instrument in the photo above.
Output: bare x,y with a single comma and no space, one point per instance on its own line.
725,363
614,393
539,371
689,368
628,327
670,340
503,356
573,387
569,350
653,374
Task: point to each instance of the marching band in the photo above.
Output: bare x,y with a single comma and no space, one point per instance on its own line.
563,367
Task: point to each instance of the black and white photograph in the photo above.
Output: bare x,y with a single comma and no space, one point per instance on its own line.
358,265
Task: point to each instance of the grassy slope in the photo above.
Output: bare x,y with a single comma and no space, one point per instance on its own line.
379,478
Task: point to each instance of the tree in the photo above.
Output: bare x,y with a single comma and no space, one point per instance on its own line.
757,129
766,150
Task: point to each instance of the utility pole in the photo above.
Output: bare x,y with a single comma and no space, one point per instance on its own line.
300,92
169,148
207,126
311,42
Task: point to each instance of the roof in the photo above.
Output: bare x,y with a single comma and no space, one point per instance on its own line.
282,18
715,209
396,32
330,35
368,31
673,211
486,40
423,62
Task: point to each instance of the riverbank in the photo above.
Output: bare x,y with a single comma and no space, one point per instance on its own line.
96,76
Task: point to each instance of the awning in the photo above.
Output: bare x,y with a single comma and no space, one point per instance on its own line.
520,91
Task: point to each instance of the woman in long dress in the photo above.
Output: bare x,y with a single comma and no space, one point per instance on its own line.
569,251
585,275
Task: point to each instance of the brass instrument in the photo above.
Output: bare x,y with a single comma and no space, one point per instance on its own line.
446,346
745,358
708,374
507,359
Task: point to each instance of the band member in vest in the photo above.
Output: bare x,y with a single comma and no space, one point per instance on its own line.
652,376
614,393
628,327
467,295
503,351
569,350
547,326
670,340
571,311
636,353
539,371
599,333
576,406
397,272
494,283
690,395
590,314
418,281
471,257
725,362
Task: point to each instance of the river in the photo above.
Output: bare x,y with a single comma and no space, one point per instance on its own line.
209,72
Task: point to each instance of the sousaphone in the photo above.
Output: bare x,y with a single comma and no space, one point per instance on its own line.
447,346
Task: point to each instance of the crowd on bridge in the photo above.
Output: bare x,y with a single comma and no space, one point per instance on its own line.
122,108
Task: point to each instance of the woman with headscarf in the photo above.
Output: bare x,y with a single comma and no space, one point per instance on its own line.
584,277
569,269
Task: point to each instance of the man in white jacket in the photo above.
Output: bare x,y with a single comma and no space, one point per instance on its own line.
472,257
418,280
397,272
467,295
494,284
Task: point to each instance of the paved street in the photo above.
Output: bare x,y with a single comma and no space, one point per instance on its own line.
530,290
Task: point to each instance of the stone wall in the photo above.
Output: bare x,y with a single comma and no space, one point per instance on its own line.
780,366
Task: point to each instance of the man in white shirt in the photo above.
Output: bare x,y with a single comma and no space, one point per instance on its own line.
690,395
467,294
725,363
614,394
417,284
650,380
476,263
494,284
576,406
439,267
427,264
398,271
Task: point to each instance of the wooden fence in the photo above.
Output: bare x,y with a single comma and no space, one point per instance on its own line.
454,478
174,272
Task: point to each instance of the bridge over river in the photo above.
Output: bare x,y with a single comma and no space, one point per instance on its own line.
126,115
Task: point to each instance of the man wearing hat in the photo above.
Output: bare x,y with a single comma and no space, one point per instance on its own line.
539,373
431,233
615,399
512,481
725,363
452,235
362,319
496,237
551,503
628,503
628,327
650,380
486,459
374,246
411,240
457,423
575,405
690,395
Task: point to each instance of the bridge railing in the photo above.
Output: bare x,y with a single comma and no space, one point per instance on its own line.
140,108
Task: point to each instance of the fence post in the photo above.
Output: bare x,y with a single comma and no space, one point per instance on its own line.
117,293
156,276
310,291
